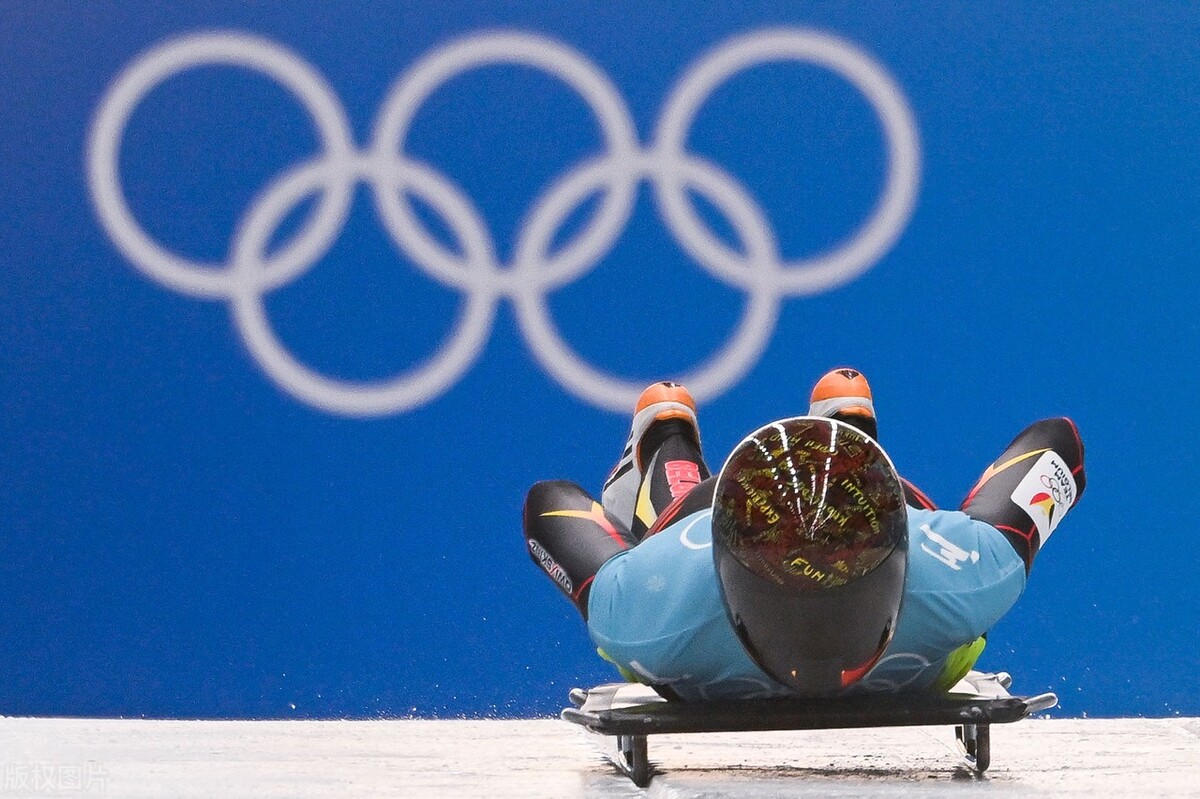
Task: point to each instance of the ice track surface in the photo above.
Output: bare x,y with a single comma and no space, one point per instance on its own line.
551,758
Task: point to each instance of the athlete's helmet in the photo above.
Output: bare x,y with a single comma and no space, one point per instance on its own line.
810,543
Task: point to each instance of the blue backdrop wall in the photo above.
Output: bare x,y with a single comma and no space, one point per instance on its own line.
297,303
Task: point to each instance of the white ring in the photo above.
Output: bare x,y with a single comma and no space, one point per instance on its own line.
408,390
683,534
535,271
724,368
497,47
185,275
854,256
883,684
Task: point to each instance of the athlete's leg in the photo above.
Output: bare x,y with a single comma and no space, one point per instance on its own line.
1026,492
570,537
662,461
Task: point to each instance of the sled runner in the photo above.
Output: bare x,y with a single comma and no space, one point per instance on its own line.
627,713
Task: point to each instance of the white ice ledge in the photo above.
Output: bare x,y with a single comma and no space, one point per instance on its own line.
550,758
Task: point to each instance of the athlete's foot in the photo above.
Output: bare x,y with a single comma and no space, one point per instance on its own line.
844,394
1028,490
663,410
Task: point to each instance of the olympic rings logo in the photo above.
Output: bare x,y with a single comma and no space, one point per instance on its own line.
535,270
1051,485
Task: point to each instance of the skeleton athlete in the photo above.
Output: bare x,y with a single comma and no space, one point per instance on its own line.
808,566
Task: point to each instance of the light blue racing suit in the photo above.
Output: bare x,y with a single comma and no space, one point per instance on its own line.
656,610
